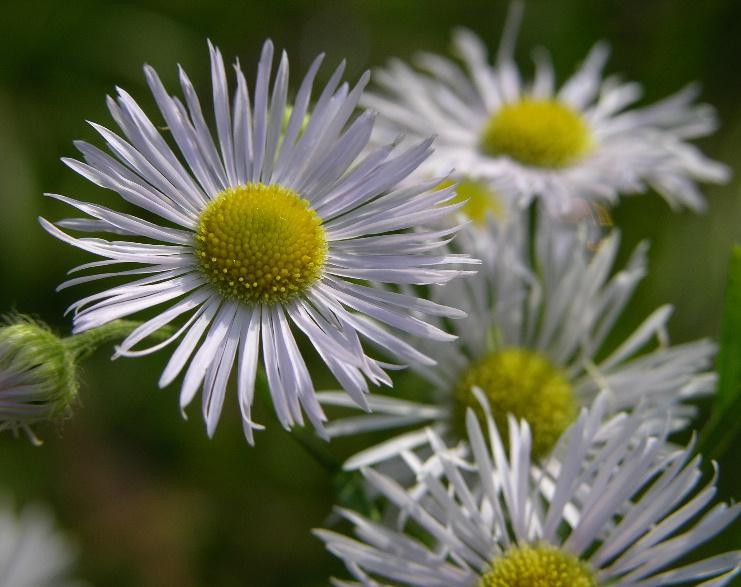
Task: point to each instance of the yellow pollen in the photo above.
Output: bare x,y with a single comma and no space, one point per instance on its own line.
522,383
538,566
541,133
260,243
481,200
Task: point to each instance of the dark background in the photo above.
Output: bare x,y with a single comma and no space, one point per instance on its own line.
148,498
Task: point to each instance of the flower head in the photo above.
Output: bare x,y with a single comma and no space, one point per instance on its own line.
616,512
38,377
531,139
263,230
536,343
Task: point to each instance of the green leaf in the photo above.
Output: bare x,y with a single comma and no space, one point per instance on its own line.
725,418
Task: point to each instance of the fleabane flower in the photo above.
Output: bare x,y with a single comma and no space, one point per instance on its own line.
530,139
267,228
33,553
622,515
38,377
540,311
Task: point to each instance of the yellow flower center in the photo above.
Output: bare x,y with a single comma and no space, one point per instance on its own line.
538,566
541,133
522,383
260,243
481,200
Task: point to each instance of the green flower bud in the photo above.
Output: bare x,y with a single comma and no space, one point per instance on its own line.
38,378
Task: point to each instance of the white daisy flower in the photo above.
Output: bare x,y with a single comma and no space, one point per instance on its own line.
534,341
32,552
620,517
534,140
259,234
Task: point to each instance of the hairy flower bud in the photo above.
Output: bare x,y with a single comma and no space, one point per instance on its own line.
38,380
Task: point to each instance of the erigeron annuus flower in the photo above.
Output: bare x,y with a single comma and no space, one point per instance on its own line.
620,516
539,312
534,140
263,230
32,552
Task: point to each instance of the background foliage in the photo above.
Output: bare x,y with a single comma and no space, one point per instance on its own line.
149,500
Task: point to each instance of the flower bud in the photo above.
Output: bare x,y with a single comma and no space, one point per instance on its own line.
38,380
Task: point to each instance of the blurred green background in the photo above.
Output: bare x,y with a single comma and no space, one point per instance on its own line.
148,498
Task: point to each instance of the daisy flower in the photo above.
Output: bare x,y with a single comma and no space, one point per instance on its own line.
535,342
32,552
621,517
263,230
531,139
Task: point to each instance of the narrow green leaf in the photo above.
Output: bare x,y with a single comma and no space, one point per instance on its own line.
725,419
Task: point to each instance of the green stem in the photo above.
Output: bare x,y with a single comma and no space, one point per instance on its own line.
84,344
351,493
314,447
316,450
349,486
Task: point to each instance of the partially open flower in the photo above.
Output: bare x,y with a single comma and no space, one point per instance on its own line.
38,381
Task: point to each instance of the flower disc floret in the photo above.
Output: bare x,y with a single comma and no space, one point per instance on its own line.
541,133
522,383
538,566
260,243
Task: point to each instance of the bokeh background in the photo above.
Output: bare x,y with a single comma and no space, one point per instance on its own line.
148,499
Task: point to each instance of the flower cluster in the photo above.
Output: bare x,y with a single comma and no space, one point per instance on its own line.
273,235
